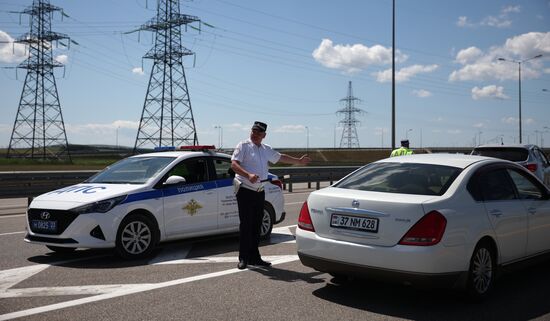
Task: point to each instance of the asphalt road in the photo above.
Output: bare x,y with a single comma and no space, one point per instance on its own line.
197,280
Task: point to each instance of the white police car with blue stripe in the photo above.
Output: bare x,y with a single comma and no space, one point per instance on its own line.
145,199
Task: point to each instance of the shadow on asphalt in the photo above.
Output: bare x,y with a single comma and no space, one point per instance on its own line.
277,274
522,295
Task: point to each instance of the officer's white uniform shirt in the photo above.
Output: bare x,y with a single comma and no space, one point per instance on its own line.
254,159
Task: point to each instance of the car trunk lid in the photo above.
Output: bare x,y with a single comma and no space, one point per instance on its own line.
370,218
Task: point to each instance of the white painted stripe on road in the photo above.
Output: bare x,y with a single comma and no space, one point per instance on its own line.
65,290
10,216
131,290
219,259
170,255
11,233
293,203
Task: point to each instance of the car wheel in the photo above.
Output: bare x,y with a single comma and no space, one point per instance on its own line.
481,275
61,250
136,237
268,219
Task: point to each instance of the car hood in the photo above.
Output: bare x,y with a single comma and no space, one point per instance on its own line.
85,193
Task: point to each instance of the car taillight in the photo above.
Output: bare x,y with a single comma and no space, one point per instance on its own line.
428,231
304,220
531,167
278,183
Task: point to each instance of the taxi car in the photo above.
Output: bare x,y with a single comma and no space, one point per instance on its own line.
428,220
145,199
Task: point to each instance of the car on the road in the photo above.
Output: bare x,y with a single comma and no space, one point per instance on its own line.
145,199
429,220
529,156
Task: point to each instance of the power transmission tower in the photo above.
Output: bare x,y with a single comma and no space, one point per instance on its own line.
349,131
39,130
167,117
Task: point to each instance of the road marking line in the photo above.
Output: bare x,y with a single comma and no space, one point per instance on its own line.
10,215
293,203
11,233
218,259
166,255
132,290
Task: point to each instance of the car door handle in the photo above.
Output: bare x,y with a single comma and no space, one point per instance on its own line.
496,213
209,193
532,210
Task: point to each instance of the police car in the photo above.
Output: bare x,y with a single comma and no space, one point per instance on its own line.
145,199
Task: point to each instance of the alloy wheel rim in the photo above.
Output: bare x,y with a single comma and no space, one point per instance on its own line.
136,237
266,223
482,270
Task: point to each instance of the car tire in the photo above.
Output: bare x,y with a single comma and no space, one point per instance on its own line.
268,219
482,272
61,250
136,237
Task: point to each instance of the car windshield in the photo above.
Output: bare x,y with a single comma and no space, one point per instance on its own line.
403,178
511,154
134,170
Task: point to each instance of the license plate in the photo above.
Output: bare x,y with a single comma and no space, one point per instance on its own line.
367,224
46,226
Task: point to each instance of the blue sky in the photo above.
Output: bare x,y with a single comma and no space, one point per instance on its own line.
288,63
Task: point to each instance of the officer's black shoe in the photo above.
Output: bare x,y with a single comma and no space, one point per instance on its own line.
242,265
261,262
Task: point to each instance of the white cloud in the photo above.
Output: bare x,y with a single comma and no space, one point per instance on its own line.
463,22
454,131
509,120
502,20
10,52
404,74
290,129
546,71
63,59
137,70
478,125
482,66
468,55
421,93
497,22
491,91
353,58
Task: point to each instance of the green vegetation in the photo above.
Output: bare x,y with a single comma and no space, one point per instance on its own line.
17,164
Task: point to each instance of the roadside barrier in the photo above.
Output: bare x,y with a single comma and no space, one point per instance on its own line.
34,183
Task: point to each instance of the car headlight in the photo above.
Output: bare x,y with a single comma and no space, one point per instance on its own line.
100,206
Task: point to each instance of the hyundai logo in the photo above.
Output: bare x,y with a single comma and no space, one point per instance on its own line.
45,215
355,203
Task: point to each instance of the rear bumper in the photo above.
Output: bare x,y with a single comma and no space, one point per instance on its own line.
455,280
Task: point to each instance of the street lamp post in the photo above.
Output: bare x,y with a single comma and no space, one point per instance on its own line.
519,62
220,136
307,139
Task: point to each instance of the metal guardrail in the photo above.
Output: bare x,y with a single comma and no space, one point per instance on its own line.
31,184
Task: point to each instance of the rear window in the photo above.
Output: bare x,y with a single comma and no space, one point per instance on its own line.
408,178
511,154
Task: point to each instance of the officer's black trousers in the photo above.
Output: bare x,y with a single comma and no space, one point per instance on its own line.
251,208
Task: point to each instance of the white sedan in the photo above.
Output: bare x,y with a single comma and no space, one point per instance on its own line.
435,219
145,199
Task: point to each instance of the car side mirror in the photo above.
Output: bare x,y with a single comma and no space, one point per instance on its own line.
174,179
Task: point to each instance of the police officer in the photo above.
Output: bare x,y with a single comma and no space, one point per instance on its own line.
250,163
403,150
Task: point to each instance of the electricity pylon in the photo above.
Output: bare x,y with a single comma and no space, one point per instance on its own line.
349,131
167,117
39,130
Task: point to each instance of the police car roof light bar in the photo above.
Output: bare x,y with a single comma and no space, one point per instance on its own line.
198,147
164,148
